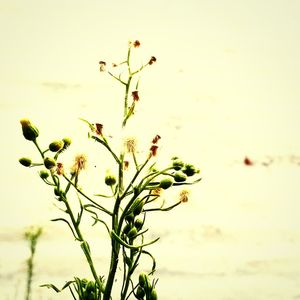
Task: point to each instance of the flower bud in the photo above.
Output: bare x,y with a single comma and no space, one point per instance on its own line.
67,142
180,177
144,280
129,217
30,132
127,228
24,161
57,191
138,223
138,206
56,146
132,232
140,292
44,174
90,287
110,180
49,163
166,183
189,170
177,164
153,294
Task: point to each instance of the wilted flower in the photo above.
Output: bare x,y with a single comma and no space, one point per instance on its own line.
152,60
130,144
126,164
99,128
135,95
156,191
80,162
136,44
156,139
184,196
60,169
102,66
153,150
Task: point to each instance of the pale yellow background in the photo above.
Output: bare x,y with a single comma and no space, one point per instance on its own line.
225,85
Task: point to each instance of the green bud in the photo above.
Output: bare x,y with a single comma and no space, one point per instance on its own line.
138,205
132,232
189,170
57,191
144,280
24,161
140,293
130,217
180,177
166,183
30,132
90,287
110,180
138,223
153,294
44,174
49,163
127,228
67,142
177,164
56,146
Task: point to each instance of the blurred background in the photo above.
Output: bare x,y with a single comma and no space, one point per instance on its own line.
223,94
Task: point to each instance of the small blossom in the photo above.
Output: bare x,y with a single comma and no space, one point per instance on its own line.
153,150
156,139
99,128
131,144
135,95
60,169
184,196
102,66
80,162
152,60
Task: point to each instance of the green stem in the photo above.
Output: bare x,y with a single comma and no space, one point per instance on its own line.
84,244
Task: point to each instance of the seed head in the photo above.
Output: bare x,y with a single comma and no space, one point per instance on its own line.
184,196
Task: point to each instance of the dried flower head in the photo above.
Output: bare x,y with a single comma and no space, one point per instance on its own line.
102,66
156,139
135,95
126,164
136,44
153,150
60,169
152,60
99,128
184,196
80,162
130,144
157,191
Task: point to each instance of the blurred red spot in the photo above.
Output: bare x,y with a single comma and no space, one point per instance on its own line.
248,161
